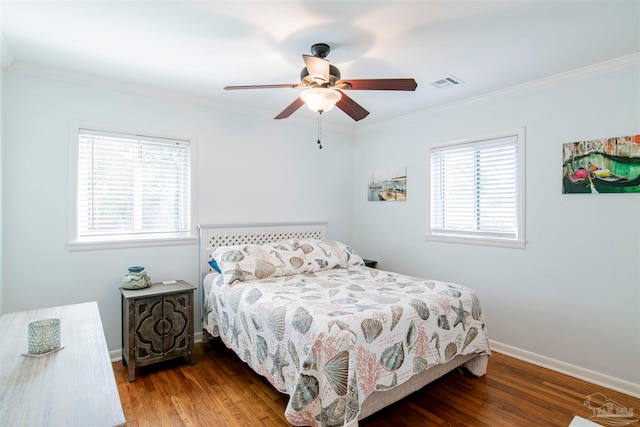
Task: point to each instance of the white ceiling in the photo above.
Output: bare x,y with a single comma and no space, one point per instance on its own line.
197,48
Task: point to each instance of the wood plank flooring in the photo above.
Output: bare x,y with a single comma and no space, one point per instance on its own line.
221,391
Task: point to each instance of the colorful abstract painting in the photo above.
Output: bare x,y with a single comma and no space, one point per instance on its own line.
608,165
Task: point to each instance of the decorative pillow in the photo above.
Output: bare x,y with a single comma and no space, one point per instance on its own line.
240,263
326,254
214,265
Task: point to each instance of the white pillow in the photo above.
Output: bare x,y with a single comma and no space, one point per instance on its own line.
251,262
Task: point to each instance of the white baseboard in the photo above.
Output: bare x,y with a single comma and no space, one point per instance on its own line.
116,355
613,383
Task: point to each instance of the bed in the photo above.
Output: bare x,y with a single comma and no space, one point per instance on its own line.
342,340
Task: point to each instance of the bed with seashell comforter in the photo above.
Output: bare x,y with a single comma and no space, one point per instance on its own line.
341,339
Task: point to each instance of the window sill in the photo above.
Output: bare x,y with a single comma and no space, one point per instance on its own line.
476,241
94,245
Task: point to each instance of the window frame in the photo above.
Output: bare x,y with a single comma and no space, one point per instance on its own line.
460,238
77,243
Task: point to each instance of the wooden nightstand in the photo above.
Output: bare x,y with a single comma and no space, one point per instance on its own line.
157,324
370,263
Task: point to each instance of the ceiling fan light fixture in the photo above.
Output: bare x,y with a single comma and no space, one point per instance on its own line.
325,87
320,100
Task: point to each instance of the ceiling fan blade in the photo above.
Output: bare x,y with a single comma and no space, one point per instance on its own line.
317,67
351,107
290,109
380,84
289,85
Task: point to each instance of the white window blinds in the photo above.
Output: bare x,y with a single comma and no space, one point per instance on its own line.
132,185
475,189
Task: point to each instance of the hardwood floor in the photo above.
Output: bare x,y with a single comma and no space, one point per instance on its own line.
220,390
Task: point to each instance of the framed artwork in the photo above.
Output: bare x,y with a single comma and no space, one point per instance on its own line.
609,165
388,185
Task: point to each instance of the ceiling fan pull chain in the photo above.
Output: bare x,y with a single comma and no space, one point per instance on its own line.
319,130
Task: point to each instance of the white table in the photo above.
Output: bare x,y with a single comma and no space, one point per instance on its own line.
71,387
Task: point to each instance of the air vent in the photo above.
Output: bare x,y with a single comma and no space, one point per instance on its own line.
446,82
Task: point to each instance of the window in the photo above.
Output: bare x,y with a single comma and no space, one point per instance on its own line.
131,187
477,191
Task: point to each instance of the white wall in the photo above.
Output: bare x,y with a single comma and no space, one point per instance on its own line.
4,61
573,293
248,170
1,192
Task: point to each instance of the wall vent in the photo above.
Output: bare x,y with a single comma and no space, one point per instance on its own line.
446,82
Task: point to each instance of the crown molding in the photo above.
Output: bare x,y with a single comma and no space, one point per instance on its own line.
36,70
628,61
605,67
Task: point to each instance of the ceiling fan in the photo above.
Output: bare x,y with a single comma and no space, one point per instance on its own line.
324,89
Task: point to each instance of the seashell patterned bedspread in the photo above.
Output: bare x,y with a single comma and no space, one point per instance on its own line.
329,339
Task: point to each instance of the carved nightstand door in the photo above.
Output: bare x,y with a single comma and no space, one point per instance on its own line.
157,324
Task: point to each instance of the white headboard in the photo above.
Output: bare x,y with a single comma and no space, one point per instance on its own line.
214,235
